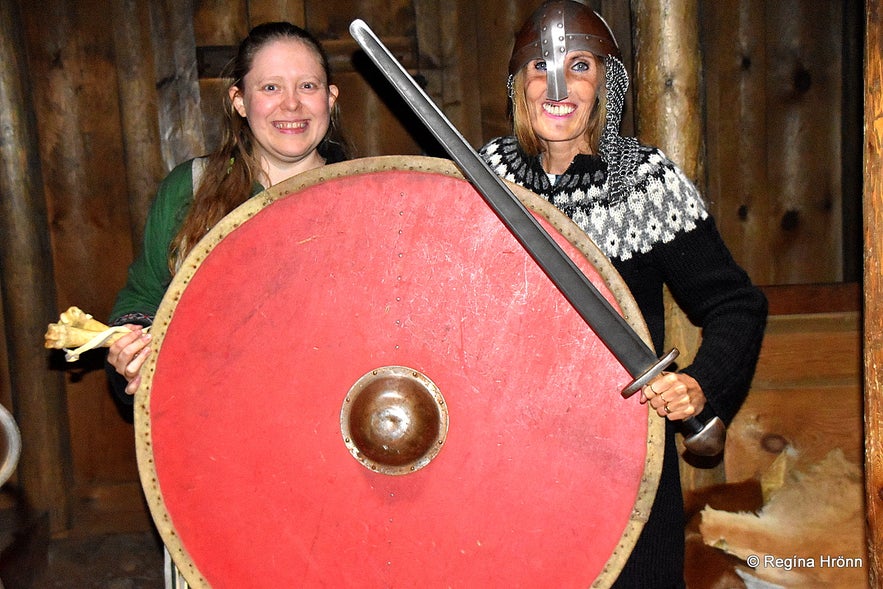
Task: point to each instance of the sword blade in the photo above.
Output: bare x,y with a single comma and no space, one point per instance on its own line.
619,337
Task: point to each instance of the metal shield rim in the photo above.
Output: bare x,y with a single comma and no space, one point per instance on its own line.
569,230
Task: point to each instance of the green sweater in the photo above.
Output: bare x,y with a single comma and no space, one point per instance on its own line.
149,275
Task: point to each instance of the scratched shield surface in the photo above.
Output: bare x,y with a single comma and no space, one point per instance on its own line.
360,378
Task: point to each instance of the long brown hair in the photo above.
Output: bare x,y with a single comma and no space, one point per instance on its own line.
232,169
521,127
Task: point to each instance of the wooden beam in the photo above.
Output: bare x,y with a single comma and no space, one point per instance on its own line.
667,73
38,394
668,114
448,43
668,111
178,96
138,110
873,273
835,297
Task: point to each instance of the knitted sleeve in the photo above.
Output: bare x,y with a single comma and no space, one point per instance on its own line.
717,295
688,253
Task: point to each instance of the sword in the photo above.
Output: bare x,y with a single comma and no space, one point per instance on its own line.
623,342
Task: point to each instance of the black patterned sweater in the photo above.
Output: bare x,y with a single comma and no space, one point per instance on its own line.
660,234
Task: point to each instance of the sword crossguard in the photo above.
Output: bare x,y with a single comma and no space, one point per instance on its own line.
649,374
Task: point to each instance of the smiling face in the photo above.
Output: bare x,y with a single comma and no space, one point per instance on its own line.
287,101
563,124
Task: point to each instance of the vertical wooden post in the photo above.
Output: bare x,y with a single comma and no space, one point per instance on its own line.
873,273
138,110
669,116
38,394
448,39
496,24
668,109
667,74
180,117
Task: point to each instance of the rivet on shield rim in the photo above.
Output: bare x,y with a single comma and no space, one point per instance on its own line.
394,420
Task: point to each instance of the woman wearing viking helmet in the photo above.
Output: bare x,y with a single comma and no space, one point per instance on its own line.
567,85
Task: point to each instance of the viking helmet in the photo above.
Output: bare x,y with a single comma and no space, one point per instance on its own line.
554,29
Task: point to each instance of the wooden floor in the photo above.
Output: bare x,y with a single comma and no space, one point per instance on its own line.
31,559
113,561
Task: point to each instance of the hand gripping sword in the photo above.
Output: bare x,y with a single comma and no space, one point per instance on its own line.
619,337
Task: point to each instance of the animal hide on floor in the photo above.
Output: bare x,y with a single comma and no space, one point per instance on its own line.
706,567
809,532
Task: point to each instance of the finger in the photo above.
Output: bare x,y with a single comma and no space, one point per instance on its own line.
139,358
132,352
133,385
661,400
650,391
117,347
663,409
676,412
124,349
135,331
133,368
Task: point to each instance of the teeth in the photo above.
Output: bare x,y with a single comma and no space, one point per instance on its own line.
558,110
289,125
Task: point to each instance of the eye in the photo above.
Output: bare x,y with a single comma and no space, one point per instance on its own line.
310,86
581,66
540,65
582,62
270,87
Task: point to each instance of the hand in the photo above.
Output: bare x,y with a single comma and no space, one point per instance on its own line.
674,395
128,354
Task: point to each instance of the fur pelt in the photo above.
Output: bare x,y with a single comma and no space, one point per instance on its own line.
811,521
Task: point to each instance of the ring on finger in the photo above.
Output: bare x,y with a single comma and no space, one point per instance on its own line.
652,389
666,408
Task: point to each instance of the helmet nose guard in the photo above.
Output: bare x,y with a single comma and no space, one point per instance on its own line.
554,29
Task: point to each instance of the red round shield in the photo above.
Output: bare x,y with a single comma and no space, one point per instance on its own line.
362,379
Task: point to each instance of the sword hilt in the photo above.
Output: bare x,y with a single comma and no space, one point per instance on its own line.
701,439
649,374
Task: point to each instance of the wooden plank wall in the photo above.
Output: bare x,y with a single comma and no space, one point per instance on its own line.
39,406
773,78
75,105
806,395
116,107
